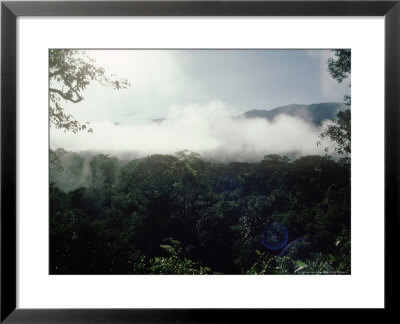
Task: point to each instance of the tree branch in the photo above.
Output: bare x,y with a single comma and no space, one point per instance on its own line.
64,96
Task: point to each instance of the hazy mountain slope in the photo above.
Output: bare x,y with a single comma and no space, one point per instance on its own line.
315,113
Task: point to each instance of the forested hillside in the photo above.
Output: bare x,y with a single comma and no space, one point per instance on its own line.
181,214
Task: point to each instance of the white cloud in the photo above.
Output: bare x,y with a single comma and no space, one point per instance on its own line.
177,85
206,129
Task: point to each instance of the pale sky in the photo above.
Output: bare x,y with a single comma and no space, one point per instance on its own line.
168,83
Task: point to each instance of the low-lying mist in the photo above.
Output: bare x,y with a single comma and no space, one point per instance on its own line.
208,130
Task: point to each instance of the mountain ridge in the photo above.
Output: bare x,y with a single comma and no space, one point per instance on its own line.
314,113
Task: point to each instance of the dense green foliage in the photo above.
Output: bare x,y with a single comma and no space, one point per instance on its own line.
339,131
340,66
180,214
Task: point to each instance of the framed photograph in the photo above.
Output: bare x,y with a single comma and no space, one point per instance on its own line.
190,161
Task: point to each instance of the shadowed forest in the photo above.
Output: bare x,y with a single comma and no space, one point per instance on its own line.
179,214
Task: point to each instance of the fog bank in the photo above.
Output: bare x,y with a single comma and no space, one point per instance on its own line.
208,130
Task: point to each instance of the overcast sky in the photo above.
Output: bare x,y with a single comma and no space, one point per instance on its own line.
165,83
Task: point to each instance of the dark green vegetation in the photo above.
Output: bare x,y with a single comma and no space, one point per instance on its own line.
180,214
339,132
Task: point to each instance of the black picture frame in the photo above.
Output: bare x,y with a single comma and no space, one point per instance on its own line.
10,10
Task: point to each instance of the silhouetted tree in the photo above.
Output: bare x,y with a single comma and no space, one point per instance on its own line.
339,131
70,72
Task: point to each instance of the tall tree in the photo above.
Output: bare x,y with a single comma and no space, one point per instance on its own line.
70,72
339,131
